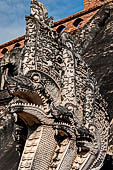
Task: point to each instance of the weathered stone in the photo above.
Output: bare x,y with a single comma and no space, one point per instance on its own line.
54,96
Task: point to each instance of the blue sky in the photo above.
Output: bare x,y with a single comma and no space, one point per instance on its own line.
12,14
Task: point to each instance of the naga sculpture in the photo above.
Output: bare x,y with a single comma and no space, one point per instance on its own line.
59,113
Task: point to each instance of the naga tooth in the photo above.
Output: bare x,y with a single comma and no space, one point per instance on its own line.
56,125
45,106
34,105
79,149
15,117
37,92
43,98
56,131
40,106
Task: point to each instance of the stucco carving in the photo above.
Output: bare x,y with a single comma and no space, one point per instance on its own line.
55,98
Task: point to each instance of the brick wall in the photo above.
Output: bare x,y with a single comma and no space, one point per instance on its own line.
94,3
11,44
69,25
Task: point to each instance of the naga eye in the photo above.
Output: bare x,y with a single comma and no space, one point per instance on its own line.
36,78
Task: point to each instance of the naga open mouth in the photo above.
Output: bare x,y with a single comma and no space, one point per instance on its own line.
27,102
31,98
34,105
